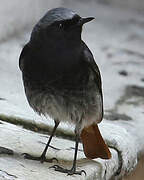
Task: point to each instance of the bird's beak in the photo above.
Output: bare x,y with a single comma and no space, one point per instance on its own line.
85,20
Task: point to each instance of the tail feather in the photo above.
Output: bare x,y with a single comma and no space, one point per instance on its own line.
93,143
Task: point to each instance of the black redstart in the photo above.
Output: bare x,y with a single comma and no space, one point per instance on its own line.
62,80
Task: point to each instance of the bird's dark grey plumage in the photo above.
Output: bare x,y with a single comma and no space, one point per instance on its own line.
60,76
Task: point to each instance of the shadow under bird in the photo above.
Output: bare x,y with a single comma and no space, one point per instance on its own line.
62,80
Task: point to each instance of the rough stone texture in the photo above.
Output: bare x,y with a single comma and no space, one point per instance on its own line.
24,141
117,42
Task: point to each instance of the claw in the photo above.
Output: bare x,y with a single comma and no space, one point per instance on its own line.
82,171
76,172
54,166
69,172
41,158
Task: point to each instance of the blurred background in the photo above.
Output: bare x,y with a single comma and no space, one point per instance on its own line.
116,39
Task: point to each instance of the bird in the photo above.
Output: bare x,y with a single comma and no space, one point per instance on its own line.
62,80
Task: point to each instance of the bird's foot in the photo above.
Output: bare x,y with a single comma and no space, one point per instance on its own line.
68,171
41,158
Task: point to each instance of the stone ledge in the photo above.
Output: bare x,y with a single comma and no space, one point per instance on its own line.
20,141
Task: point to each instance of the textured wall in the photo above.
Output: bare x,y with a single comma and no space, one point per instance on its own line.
15,14
136,4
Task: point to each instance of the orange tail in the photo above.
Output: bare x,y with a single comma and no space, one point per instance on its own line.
93,143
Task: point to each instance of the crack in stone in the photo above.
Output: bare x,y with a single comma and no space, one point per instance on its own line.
4,150
134,90
131,52
130,92
58,149
116,116
36,128
74,149
2,99
8,174
123,73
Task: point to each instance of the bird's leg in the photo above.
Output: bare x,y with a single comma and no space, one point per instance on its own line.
73,169
42,158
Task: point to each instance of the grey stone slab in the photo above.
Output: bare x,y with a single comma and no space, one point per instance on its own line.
19,140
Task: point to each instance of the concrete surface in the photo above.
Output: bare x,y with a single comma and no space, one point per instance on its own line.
117,42
19,141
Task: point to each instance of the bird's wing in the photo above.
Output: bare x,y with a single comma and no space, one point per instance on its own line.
93,143
30,68
89,59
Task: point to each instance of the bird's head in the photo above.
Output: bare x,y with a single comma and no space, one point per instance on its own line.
59,24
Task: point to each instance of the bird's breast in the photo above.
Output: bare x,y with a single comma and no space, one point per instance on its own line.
67,102
48,64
